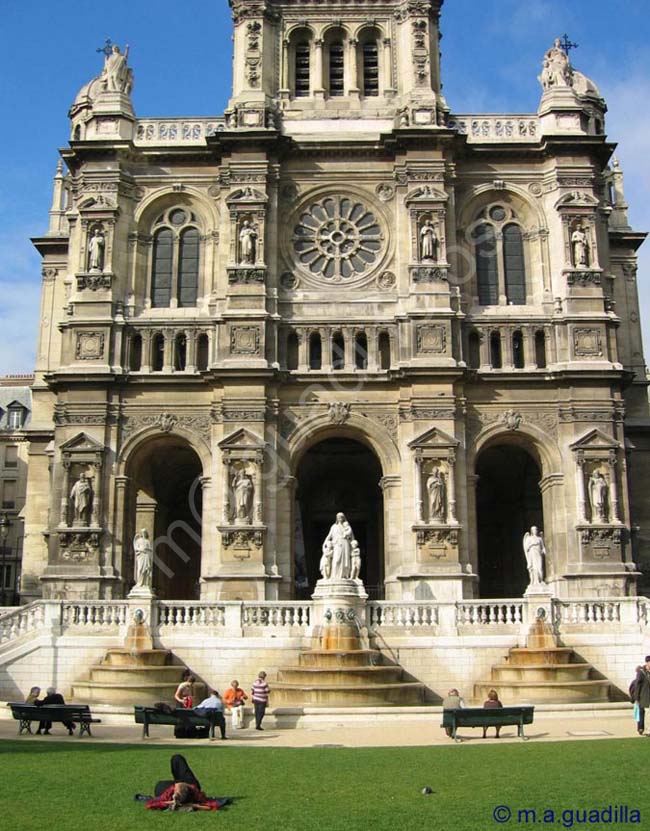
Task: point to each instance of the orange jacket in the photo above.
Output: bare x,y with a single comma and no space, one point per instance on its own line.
234,698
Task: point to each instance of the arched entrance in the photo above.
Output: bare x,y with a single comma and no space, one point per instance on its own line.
508,503
165,497
341,474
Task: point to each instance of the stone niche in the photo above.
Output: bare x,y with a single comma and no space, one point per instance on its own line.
78,534
436,526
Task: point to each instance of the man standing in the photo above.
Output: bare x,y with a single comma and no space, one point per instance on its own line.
260,696
642,693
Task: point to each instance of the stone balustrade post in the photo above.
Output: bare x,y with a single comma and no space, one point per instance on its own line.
613,487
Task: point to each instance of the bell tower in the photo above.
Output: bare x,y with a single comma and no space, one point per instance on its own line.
334,59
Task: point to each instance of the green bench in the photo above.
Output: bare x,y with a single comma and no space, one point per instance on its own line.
487,717
147,716
79,713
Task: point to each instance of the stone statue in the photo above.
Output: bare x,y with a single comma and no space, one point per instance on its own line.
598,497
117,76
356,561
340,538
535,553
556,71
437,490
325,566
143,551
428,241
80,499
247,243
96,246
580,248
243,488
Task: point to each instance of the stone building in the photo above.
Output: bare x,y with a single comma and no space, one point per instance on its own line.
15,416
478,370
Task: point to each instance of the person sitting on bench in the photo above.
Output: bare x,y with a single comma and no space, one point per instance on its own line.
53,697
492,703
213,704
452,701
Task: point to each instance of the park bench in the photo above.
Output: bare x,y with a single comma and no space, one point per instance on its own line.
181,716
487,717
78,713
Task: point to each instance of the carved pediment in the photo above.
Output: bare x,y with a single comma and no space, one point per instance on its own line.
81,443
426,193
242,439
434,439
247,195
595,440
575,199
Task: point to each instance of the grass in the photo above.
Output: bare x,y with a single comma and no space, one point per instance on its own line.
62,787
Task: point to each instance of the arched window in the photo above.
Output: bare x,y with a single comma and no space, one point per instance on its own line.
518,358
202,352
338,351
370,69
336,69
157,353
315,351
302,69
360,351
495,351
513,264
180,352
540,349
175,266
135,353
474,350
384,350
292,351
487,274
500,257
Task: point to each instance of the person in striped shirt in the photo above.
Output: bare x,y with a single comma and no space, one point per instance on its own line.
260,696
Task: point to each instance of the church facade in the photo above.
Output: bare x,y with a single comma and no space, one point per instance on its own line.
339,295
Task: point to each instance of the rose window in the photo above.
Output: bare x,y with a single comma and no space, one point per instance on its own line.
337,238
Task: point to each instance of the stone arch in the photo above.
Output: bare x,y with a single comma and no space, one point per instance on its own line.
529,208
527,436
141,437
163,198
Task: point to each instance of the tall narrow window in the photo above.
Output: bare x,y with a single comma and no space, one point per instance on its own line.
370,69
188,268
384,350
202,350
540,349
518,350
292,351
302,70
474,350
495,351
487,273
513,263
336,69
135,353
180,353
315,351
161,281
157,353
361,351
338,351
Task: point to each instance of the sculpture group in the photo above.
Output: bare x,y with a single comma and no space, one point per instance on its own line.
341,558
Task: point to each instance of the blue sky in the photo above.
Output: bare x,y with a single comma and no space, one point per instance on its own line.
181,55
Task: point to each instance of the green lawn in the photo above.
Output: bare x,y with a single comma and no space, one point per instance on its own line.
74,786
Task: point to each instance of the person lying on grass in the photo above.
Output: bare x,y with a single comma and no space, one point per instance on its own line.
183,797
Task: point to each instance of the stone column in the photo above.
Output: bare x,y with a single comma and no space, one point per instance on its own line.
484,348
393,348
285,67
120,523
451,504
326,349
389,86
613,487
168,359
373,345
225,512
530,360
95,505
303,350
582,496
190,350
351,69
65,490
146,351
507,358
318,86
258,507
419,496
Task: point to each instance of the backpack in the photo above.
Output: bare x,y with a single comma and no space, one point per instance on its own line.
632,690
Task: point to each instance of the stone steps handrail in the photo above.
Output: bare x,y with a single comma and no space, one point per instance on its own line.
15,623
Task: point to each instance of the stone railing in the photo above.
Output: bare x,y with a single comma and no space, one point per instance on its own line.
489,613
277,615
596,612
402,615
104,615
496,128
15,623
182,615
186,131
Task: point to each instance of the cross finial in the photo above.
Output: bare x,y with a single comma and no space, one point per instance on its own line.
568,45
107,48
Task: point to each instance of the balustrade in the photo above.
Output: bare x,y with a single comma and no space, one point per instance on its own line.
587,612
276,615
180,615
334,349
95,614
496,128
176,130
506,346
156,348
490,613
403,615
18,622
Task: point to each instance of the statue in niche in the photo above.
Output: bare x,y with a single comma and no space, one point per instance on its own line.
556,70
535,552
248,243
598,496
81,497
580,248
340,539
437,490
116,75
143,551
243,488
428,241
96,245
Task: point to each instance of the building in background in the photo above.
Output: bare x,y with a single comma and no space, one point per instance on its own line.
15,417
